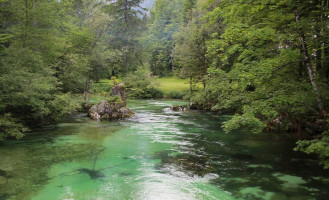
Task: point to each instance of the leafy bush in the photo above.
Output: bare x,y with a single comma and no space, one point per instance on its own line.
101,88
177,95
153,93
62,105
318,146
146,93
115,99
10,127
141,84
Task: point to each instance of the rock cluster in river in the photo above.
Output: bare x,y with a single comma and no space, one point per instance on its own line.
112,108
109,110
179,108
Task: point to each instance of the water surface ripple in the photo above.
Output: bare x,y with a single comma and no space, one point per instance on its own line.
156,154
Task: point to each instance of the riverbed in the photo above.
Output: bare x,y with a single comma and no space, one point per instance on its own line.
157,154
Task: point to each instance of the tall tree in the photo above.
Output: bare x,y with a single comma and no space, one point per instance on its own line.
28,89
125,30
190,52
48,48
166,17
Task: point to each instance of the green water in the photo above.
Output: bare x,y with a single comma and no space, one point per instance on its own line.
157,154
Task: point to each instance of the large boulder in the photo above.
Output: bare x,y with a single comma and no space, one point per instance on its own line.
113,107
109,110
119,90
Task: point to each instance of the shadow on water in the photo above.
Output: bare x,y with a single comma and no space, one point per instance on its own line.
94,173
24,164
25,172
248,166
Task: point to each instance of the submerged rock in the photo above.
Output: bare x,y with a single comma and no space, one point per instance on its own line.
109,110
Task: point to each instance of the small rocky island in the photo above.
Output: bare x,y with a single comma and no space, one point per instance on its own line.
114,107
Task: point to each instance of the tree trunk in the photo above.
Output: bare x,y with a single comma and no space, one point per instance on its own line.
26,22
326,61
191,90
299,130
204,85
88,80
34,24
172,60
87,90
126,62
308,63
318,54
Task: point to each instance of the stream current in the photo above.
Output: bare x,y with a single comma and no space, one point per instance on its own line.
157,154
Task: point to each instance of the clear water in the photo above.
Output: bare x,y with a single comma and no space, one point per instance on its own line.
157,154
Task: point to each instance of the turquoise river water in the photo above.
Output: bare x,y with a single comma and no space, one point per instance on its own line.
156,154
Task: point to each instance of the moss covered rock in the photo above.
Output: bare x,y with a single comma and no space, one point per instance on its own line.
179,108
108,109
120,91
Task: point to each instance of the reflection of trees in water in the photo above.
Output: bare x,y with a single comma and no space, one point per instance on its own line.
232,169
246,172
27,171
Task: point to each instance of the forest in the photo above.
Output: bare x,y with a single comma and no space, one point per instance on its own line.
264,63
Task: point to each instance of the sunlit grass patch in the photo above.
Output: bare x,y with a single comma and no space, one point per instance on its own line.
169,84
108,81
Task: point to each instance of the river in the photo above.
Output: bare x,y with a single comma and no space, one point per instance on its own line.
156,154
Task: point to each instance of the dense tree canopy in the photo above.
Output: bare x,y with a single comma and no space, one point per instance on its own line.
166,16
51,48
264,61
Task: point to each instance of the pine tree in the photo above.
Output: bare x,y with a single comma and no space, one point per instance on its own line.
125,29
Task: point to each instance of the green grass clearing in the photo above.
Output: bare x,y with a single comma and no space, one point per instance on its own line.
166,84
172,84
108,81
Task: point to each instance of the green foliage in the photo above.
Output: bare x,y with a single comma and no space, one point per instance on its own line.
115,99
177,94
319,147
190,52
141,84
114,80
246,120
152,92
250,58
48,48
62,105
10,127
25,82
166,16
98,88
259,66
72,70
125,30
